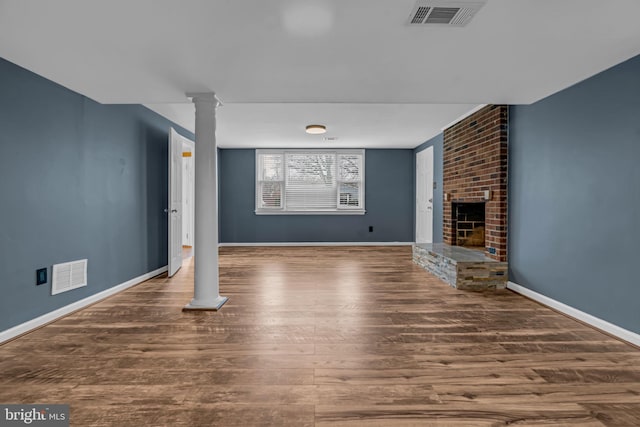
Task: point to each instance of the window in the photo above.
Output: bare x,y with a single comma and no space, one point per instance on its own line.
310,181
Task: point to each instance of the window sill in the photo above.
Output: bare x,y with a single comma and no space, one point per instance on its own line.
344,212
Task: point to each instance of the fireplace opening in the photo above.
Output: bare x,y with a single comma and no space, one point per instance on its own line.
468,224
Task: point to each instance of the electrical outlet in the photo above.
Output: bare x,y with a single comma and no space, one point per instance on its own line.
371,229
41,276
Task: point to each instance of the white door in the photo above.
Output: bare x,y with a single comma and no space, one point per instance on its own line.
175,202
424,196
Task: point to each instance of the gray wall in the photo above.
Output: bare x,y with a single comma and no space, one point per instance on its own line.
388,199
574,196
77,180
437,143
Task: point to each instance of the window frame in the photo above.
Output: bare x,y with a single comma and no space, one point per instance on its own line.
282,210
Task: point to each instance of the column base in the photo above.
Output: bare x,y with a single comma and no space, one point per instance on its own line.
214,305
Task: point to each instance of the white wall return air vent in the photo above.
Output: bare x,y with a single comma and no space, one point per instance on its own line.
455,13
68,276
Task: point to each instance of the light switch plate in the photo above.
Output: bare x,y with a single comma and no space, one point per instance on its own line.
41,276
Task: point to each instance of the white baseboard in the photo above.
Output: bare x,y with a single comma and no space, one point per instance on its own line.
319,244
67,309
596,322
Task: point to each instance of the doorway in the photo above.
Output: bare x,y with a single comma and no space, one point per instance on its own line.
175,210
188,197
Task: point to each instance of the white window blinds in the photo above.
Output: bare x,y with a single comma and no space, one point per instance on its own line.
349,181
270,174
313,181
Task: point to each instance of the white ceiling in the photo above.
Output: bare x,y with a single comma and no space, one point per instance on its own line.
355,125
281,64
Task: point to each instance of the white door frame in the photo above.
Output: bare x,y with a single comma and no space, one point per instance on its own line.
424,196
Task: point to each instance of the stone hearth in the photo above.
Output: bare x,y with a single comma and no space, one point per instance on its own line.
462,268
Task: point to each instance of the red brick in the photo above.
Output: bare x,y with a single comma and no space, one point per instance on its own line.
475,160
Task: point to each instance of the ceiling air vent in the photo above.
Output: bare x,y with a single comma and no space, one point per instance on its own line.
455,13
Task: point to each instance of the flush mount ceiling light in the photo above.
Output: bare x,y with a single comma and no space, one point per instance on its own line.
316,129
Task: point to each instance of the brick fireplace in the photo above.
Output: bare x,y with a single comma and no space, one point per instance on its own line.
475,177
474,253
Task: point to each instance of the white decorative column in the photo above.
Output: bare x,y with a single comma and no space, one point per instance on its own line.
206,294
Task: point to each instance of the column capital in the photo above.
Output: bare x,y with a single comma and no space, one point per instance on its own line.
202,97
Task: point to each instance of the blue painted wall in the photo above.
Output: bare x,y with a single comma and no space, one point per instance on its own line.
437,142
574,195
77,180
388,199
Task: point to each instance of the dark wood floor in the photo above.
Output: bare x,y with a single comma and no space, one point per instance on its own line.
320,336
